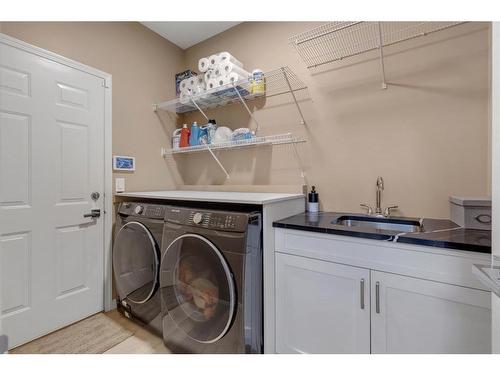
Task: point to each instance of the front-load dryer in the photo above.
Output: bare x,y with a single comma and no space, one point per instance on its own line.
211,281
136,262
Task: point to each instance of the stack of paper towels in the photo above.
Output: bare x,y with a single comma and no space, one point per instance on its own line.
220,69
191,86
216,71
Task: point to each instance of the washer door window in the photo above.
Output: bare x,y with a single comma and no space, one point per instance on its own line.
135,262
197,288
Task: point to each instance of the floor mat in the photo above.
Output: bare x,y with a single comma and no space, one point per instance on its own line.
93,335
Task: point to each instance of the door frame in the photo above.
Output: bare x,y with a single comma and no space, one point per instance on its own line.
108,302
495,175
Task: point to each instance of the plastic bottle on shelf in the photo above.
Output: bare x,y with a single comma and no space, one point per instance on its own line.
176,138
211,128
184,142
258,83
194,137
207,132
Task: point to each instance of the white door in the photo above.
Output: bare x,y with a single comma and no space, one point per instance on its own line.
321,307
415,316
51,160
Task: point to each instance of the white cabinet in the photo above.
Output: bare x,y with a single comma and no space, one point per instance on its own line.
418,299
411,315
321,307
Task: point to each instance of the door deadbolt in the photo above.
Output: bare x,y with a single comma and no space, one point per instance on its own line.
95,195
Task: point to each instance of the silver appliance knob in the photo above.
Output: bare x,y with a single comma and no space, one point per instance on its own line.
197,218
138,210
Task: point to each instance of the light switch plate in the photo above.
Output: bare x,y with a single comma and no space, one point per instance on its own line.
120,185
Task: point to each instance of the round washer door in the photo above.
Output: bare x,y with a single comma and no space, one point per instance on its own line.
197,288
135,262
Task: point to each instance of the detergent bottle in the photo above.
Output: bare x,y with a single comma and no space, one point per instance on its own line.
184,142
194,137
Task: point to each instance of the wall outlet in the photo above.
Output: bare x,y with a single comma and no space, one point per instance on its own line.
120,185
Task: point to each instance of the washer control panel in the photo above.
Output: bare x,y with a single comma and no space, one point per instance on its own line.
152,211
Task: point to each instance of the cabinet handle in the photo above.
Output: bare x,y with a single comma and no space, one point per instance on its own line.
377,297
483,218
362,290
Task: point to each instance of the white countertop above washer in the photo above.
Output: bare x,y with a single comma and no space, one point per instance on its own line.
213,196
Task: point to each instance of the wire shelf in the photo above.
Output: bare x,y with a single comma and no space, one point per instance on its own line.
279,139
335,41
278,82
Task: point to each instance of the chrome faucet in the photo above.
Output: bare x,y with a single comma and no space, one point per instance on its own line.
378,200
380,187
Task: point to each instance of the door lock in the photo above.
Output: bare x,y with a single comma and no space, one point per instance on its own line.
95,195
93,214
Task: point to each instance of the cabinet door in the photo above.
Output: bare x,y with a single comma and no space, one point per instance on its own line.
412,315
321,307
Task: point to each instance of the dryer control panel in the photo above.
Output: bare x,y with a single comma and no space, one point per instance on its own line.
152,211
218,220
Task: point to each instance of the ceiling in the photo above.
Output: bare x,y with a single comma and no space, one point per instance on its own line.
188,33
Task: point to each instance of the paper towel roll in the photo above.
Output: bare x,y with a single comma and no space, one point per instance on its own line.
212,84
213,61
191,82
235,77
184,97
200,81
222,80
218,72
195,90
209,74
203,64
229,67
186,90
227,57
199,89
184,84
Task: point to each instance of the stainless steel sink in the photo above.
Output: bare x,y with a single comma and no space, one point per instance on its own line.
401,225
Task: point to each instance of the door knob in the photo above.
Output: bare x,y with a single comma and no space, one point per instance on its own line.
93,214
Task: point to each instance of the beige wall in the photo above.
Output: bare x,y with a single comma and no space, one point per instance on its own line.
427,134
143,66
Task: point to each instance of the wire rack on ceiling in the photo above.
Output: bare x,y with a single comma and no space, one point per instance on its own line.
335,41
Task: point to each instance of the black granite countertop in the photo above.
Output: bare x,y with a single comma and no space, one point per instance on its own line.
436,233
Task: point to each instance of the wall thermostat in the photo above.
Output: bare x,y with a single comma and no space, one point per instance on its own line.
124,163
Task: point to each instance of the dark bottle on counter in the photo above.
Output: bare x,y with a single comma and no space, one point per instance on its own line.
313,200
